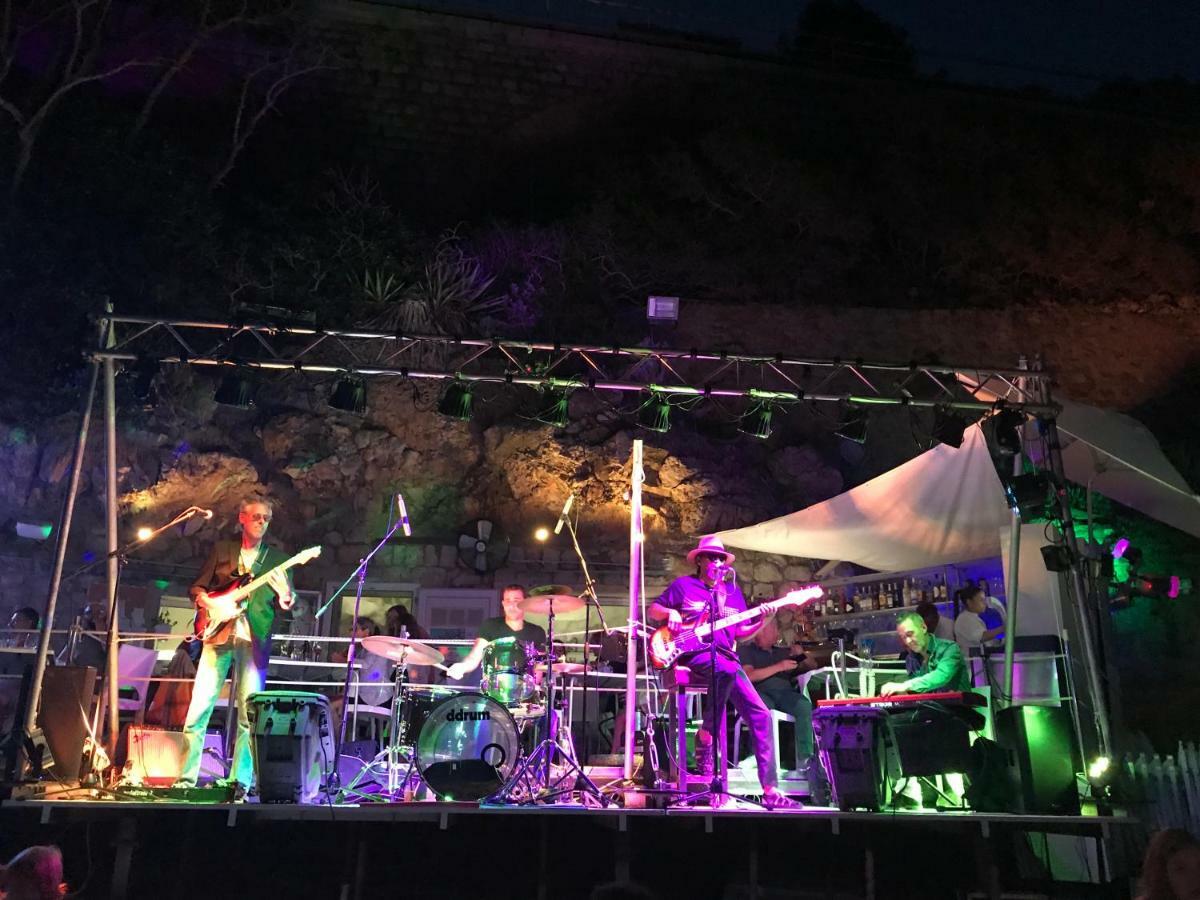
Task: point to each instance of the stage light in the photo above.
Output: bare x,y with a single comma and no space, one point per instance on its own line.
854,425
541,533
1056,558
1027,493
1132,555
662,309
1006,426
948,427
655,412
1098,768
457,401
349,394
756,421
33,531
144,533
556,402
235,390
142,386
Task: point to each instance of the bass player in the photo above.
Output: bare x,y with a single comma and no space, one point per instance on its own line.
687,599
243,642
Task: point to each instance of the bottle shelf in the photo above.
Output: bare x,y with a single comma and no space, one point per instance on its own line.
840,617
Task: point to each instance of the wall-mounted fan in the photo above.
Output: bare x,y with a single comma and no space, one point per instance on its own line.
482,546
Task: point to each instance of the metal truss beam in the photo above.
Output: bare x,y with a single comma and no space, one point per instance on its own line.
777,378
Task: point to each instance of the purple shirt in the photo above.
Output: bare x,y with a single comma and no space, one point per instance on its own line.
692,597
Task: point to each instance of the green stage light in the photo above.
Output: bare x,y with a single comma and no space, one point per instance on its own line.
756,421
655,412
235,390
457,401
556,403
349,394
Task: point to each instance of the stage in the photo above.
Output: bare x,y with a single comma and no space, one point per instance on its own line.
140,848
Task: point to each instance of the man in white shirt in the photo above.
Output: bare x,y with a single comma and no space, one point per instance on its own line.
969,628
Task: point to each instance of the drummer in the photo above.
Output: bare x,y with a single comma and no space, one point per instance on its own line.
510,625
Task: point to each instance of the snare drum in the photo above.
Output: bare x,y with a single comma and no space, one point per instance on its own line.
468,747
508,670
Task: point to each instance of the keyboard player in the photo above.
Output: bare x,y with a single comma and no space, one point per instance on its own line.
934,663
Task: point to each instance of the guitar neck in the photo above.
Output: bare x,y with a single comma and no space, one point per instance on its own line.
251,586
737,618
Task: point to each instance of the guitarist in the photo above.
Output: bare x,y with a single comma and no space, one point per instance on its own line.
686,600
244,642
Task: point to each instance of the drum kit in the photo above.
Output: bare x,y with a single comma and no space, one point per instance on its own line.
500,744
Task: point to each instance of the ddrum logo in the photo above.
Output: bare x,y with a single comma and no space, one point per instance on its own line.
469,715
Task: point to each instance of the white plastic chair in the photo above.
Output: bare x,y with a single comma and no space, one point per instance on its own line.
135,665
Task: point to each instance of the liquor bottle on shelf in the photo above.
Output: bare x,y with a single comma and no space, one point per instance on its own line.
895,594
881,599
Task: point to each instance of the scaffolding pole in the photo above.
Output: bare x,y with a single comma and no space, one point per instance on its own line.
635,602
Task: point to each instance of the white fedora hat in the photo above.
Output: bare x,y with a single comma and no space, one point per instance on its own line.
709,544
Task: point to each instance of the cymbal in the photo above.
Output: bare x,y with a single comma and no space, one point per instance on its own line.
417,653
542,603
562,668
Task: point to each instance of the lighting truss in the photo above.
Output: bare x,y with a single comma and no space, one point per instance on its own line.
680,373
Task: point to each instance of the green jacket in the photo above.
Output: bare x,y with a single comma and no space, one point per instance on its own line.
942,670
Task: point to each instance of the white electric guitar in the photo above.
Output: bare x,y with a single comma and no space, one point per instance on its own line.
666,648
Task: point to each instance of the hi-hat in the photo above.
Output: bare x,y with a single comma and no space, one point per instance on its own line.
397,649
545,603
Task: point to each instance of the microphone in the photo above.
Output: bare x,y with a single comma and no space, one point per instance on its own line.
563,518
403,515
728,573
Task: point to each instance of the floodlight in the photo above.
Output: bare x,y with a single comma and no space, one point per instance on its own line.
854,425
655,412
349,394
756,421
235,390
948,426
457,401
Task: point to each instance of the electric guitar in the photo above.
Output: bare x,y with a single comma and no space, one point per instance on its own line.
666,648
226,604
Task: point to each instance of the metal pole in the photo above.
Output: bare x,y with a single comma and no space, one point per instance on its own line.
1011,589
114,564
635,598
1083,611
60,554
1012,595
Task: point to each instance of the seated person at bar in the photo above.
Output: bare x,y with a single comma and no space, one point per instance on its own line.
934,622
934,664
773,670
24,619
970,630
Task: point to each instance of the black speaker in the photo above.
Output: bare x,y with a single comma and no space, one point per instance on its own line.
1045,756
850,742
64,715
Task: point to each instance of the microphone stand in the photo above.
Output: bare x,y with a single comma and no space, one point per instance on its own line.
361,574
108,687
590,598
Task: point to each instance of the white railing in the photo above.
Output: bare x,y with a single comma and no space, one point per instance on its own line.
1164,791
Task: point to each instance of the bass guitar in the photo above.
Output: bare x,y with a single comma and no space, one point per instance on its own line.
666,648
227,603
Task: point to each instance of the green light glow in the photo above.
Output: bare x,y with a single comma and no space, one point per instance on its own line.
46,529
162,584
1098,767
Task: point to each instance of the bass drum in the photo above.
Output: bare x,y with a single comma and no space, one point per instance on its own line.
468,747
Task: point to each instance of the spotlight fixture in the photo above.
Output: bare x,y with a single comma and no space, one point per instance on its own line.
655,412
349,394
1006,426
235,390
32,530
662,309
144,533
142,385
555,405
948,426
1056,558
854,425
1027,493
457,401
541,534
756,421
